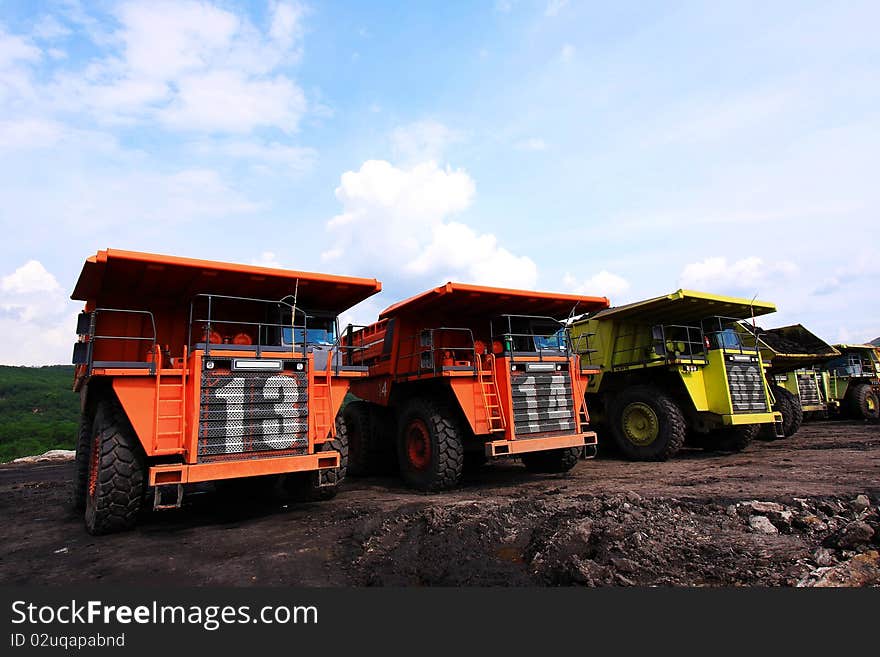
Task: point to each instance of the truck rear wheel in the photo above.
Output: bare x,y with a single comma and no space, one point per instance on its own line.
81,461
551,461
115,487
358,426
731,439
647,425
429,446
321,484
789,406
862,402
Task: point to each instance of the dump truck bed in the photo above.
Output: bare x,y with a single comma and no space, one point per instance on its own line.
461,300
124,279
686,306
794,346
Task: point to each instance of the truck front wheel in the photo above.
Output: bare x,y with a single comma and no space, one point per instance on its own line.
551,461
863,403
429,446
81,461
116,473
646,424
731,439
789,405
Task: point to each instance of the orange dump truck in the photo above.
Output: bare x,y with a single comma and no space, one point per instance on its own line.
469,369
192,371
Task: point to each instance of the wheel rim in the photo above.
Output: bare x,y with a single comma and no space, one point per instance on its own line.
640,424
871,402
94,461
418,445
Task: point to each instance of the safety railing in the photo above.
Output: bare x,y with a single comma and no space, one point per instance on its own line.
425,346
531,341
270,336
87,327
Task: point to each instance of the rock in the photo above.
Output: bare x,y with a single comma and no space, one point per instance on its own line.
855,534
624,565
762,525
823,557
812,523
633,497
53,455
764,507
861,570
861,502
587,571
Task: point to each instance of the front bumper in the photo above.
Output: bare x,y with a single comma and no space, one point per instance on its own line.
497,448
182,473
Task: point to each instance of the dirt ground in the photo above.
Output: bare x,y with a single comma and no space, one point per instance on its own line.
802,511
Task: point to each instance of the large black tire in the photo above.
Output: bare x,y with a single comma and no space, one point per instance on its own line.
116,482
358,426
792,412
731,439
430,450
322,484
862,403
551,461
81,461
666,424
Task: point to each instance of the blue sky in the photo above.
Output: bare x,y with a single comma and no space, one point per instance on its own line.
623,149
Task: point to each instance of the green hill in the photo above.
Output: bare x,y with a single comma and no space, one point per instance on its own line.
38,411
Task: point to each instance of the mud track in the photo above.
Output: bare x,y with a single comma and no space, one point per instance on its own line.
691,521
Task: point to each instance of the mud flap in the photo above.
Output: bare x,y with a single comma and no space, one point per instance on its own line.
777,426
161,493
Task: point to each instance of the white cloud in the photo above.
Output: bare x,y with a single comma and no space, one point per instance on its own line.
29,278
567,53
267,259
863,266
603,284
422,141
746,276
15,49
397,221
531,144
266,157
49,28
27,134
227,101
36,320
554,7
214,71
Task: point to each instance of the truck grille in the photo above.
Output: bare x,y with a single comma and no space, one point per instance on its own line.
746,387
808,389
252,414
541,403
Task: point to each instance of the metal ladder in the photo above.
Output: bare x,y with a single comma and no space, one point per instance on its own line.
491,396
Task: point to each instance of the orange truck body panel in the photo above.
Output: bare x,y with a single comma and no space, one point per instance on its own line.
157,370
483,383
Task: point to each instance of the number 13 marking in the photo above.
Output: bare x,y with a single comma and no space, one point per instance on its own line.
281,389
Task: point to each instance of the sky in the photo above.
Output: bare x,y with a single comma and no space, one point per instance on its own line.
620,149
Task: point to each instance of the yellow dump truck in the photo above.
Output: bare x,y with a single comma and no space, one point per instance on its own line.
794,358
676,369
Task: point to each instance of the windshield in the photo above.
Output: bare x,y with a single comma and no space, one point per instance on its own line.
554,341
726,339
323,333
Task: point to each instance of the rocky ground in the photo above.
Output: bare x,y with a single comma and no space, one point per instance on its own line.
798,512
